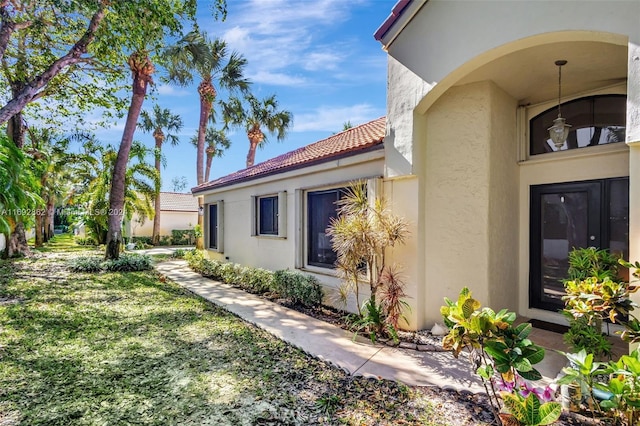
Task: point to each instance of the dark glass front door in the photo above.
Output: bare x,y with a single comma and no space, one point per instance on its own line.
568,215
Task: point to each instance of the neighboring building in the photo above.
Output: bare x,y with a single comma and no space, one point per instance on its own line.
274,214
472,89
177,211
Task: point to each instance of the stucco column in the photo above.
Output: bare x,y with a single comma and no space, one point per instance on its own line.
633,141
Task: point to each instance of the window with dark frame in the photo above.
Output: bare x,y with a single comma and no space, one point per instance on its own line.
321,208
267,215
594,120
213,226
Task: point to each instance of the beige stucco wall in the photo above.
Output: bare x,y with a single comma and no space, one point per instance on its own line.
169,220
281,253
470,182
466,139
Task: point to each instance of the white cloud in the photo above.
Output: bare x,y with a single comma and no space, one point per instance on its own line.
281,38
167,90
276,78
329,118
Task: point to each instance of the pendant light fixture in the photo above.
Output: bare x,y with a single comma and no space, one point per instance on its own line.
560,129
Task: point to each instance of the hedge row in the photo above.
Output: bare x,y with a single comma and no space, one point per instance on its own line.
296,287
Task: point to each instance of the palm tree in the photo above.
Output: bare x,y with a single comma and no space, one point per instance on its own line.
141,181
217,142
193,55
161,119
142,69
260,114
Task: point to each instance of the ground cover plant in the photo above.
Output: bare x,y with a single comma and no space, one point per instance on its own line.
135,348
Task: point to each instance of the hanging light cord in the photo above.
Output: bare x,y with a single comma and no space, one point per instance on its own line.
559,88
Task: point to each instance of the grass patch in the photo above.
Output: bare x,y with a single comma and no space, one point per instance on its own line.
134,348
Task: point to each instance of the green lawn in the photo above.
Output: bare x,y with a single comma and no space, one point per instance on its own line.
132,348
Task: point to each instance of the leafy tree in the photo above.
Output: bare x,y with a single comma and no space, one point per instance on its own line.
196,55
179,183
256,116
19,190
217,142
161,119
51,163
141,181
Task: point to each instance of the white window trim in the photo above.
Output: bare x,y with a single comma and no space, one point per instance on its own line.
220,226
281,215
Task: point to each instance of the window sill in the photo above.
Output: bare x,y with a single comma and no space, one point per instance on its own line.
610,149
270,237
319,271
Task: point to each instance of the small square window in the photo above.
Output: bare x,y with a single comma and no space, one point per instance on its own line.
267,215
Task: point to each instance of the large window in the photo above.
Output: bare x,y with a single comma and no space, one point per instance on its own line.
267,209
594,120
321,208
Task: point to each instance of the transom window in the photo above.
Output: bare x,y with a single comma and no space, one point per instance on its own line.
267,209
321,208
594,120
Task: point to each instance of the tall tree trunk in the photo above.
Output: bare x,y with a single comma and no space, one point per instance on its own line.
17,241
155,238
207,170
49,219
142,69
255,136
39,228
207,95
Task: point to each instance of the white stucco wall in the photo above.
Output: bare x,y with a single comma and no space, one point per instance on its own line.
275,253
169,220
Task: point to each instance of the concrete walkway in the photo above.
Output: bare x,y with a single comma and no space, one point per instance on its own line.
331,343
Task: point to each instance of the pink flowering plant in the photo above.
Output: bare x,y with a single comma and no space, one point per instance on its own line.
503,357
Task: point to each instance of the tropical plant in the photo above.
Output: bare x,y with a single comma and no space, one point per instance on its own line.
582,371
141,69
257,116
195,54
500,352
162,119
529,410
624,386
19,190
361,235
217,143
140,187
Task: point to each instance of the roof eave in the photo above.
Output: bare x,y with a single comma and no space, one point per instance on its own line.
401,15
376,146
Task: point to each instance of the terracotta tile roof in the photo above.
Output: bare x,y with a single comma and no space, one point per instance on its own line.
359,139
177,201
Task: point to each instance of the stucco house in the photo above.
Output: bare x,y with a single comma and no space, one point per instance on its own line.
274,214
177,211
473,87
467,158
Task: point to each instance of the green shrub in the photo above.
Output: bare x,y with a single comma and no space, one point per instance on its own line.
146,241
182,237
257,280
128,263
165,240
299,288
85,264
178,254
85,241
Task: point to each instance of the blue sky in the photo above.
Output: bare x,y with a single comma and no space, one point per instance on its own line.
318,56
